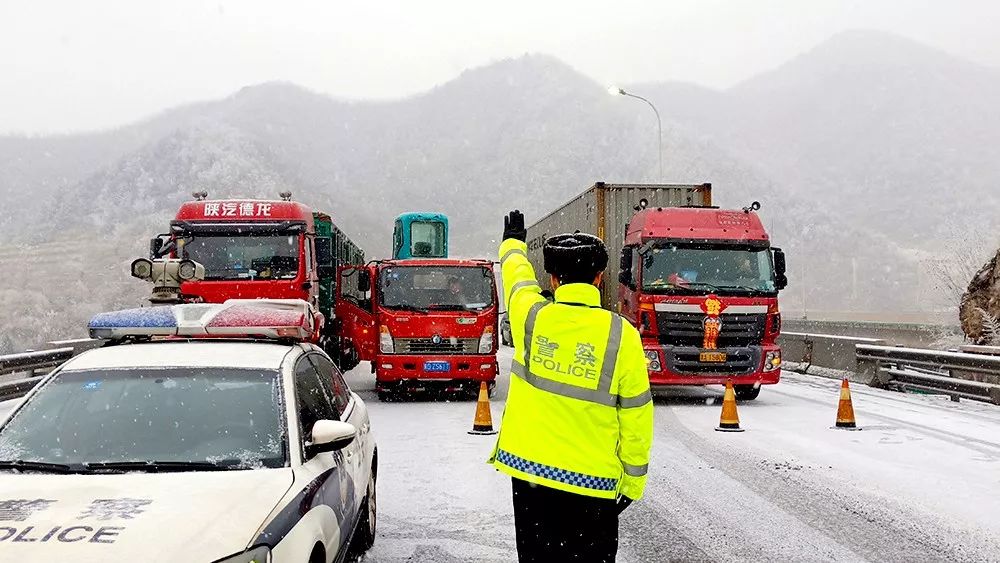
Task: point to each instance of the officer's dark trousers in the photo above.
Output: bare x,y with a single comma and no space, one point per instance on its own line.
554,526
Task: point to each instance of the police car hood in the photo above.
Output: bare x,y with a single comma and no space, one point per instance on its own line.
189,516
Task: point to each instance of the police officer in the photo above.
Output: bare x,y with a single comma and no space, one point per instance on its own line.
578,424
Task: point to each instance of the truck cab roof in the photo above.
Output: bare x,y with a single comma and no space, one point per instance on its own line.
472,262
696,224
244,210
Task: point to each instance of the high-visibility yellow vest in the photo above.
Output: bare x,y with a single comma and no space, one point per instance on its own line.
579,414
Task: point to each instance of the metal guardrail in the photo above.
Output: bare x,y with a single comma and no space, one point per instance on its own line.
960,375
35,363
822,350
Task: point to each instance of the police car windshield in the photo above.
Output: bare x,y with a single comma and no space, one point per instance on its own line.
707,269
436,287
245,257
223,416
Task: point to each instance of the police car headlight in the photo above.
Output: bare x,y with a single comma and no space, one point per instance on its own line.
772,360
259,554
653,360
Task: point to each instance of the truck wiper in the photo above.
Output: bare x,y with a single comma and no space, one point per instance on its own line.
158,466
41,466
743,288
402,307
692,285
447,308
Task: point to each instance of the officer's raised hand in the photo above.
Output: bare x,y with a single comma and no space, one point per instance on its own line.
513,226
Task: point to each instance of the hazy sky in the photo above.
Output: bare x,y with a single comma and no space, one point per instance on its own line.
70,65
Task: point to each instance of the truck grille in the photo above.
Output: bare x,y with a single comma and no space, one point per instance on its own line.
738,361
686,329
427,346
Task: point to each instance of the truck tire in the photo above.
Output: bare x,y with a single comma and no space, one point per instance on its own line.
746,392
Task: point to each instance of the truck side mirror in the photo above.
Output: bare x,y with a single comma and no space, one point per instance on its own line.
780,279
324,256
364,281
155,245
625,265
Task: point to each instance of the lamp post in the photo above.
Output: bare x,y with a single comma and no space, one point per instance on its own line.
614,90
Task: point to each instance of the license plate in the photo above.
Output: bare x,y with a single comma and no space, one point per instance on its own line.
712,357
437,366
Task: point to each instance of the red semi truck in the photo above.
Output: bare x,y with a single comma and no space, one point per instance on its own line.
256,249
700,283
423,323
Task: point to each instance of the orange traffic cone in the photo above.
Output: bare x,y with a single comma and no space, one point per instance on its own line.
730,420
845,412
484,419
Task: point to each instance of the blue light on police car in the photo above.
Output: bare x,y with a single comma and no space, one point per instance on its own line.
148,320
135,318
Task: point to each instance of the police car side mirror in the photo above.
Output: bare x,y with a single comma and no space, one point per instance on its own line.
330,436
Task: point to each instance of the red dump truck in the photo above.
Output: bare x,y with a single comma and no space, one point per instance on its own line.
700,283
262,249
423,323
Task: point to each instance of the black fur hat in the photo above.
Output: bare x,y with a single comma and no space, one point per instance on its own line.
575,257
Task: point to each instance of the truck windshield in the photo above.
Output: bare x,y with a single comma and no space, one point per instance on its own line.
224,416
249,257
706,269
436,287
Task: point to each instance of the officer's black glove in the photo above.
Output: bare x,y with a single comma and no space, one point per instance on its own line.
513,226
623,503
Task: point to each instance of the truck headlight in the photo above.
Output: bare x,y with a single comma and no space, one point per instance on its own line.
653,360
772,360
385,344
486,341
259,554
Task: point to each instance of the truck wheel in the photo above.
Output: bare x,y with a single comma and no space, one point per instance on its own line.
387,396
746,392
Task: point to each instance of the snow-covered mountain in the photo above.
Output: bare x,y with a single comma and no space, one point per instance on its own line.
839,145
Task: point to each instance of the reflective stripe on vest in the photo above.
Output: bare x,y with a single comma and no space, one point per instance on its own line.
602,395
519,285
635,470
510,253
556,474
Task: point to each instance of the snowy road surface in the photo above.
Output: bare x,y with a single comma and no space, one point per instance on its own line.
921,482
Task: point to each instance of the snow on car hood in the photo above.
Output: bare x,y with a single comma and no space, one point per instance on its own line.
149,517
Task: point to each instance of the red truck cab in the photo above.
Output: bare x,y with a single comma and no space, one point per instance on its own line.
263,249
701,285
422,323
250,249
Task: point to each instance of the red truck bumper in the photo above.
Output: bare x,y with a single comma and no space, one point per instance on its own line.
680,366
391,369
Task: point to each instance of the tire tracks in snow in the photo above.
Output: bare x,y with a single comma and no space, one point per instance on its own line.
873,528
985,447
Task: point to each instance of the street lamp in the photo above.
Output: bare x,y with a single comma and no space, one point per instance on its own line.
616,91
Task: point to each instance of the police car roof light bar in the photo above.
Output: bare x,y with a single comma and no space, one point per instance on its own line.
257,318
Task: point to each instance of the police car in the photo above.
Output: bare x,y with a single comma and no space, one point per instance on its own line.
203,433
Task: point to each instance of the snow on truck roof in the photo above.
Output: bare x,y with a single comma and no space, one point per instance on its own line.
700,223
244,210
183,354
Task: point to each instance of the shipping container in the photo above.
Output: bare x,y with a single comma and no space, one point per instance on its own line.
604,210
